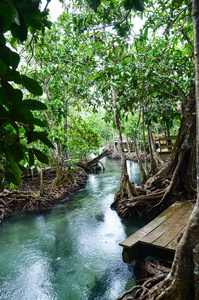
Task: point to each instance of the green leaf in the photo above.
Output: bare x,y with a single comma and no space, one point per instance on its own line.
9,57
14,168
19,31
89,52
7,12
26,112
23,169
12,96
9,177
1,184
3,112
14,59
13,76
3,99
184,52
40,156
18,117
94,4
34,104
34,21
16,151
31,157
38,122
128,4
31,85
42,137
3,68
18,96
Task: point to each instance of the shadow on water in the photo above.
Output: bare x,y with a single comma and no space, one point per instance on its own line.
110,278
130,226
98,291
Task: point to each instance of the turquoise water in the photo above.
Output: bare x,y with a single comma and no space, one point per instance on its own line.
71,252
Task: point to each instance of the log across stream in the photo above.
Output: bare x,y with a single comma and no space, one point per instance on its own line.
70,252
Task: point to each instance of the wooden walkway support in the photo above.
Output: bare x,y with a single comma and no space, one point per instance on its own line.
160,237
165,145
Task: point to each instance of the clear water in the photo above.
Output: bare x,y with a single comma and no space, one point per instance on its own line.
71,252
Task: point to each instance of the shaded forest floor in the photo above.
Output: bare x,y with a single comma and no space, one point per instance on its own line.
28,196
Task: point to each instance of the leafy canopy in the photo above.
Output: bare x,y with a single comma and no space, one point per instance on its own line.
18,18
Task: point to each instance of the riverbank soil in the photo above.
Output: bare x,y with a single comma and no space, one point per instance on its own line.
29,196
42,191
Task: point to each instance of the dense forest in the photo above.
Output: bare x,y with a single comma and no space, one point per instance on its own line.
89,79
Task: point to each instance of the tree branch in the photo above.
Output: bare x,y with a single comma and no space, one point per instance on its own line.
173,80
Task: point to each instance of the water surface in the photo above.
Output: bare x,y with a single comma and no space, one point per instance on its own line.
71,252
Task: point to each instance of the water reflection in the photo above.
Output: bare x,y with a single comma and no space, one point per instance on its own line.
71,252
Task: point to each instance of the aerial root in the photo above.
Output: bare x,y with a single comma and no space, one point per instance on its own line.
156,272
130,205
145,199
133,289
1,200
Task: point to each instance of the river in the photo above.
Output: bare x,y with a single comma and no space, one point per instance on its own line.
71,252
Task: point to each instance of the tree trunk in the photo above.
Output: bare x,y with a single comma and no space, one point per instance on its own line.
154,167
41,180
127,189
168,134
144,139
183,281
143,173
176,180
128,145
180,169
65,130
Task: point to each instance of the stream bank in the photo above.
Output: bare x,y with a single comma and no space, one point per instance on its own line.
39,192
28,197
131,156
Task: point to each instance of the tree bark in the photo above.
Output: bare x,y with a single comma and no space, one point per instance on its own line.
183,155
143,173
127,188
154,167
183,281
144,139
65,130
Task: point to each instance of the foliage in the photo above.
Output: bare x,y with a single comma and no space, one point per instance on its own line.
77,63
17,122
60,72
82,138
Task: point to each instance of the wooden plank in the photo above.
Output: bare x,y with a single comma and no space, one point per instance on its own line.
166,138
165,146
138,235
164,154
173,230
173,243
166,243
163,227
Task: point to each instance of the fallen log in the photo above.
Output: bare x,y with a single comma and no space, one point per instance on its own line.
92,165
96,159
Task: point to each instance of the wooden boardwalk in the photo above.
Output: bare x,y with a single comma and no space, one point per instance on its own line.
165,145
159,238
